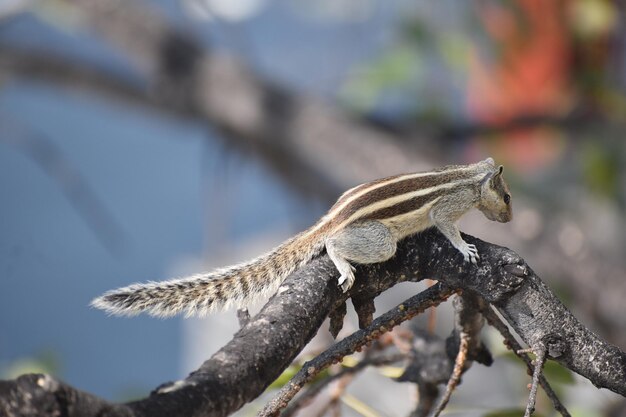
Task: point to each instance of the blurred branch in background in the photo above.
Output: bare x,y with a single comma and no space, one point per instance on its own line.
321,151
296,134
68,178
10,8
539,84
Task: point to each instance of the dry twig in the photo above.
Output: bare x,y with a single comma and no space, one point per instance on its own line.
459,364
353,343
540,351
307,396
509,339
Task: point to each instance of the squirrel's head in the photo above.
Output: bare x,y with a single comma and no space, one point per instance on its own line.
495,198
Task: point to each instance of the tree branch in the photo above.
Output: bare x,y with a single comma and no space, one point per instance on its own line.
511,343
307,396
265,346
312,146
353,343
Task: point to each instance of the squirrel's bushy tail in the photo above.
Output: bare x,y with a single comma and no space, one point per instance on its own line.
202,293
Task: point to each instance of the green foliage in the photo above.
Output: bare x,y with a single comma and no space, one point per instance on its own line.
290,372
411,71
454,51
553,372
286,376
601,169
585,412
417,32
392,69
593,18
45,363
509,412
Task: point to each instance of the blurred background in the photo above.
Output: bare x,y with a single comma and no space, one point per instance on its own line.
141,140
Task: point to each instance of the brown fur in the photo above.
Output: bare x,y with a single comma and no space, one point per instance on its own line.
397,199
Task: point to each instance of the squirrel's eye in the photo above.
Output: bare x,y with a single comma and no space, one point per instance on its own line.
507,198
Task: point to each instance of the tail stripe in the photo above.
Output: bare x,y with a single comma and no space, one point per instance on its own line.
245,285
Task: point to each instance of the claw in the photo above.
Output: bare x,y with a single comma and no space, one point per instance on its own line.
470,253
346,282
347,279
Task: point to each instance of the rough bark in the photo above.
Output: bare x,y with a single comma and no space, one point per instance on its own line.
540,318
260,351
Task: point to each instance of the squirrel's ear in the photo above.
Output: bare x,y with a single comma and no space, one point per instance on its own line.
491,176
485,181
490,161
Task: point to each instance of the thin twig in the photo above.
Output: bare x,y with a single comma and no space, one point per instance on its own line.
459,363
497,323
303,399
540,360
353,343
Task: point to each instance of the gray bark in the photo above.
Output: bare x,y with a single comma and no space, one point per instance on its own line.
268,343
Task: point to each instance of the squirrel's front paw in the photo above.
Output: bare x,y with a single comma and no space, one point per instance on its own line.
470,253
347,278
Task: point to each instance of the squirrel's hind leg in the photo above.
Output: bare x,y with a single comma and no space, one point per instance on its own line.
364,242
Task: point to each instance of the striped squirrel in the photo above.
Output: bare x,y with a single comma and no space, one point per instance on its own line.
363,227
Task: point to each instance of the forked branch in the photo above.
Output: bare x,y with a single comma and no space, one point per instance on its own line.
269,342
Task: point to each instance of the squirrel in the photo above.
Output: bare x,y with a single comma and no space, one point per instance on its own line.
362,227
